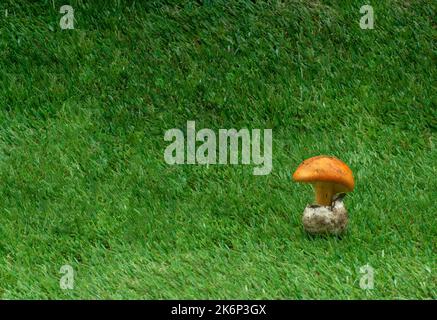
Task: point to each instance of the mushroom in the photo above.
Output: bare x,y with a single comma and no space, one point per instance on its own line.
331,179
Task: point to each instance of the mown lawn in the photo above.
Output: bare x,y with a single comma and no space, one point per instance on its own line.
83,179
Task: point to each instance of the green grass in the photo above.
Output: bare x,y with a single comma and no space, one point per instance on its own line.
82,174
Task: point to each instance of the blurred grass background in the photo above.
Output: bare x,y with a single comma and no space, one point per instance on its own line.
82,174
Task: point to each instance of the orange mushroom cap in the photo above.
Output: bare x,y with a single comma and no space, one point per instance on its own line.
325,169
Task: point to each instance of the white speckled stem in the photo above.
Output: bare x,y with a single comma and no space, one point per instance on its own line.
325,219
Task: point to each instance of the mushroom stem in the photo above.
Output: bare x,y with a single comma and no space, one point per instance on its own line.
325,191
